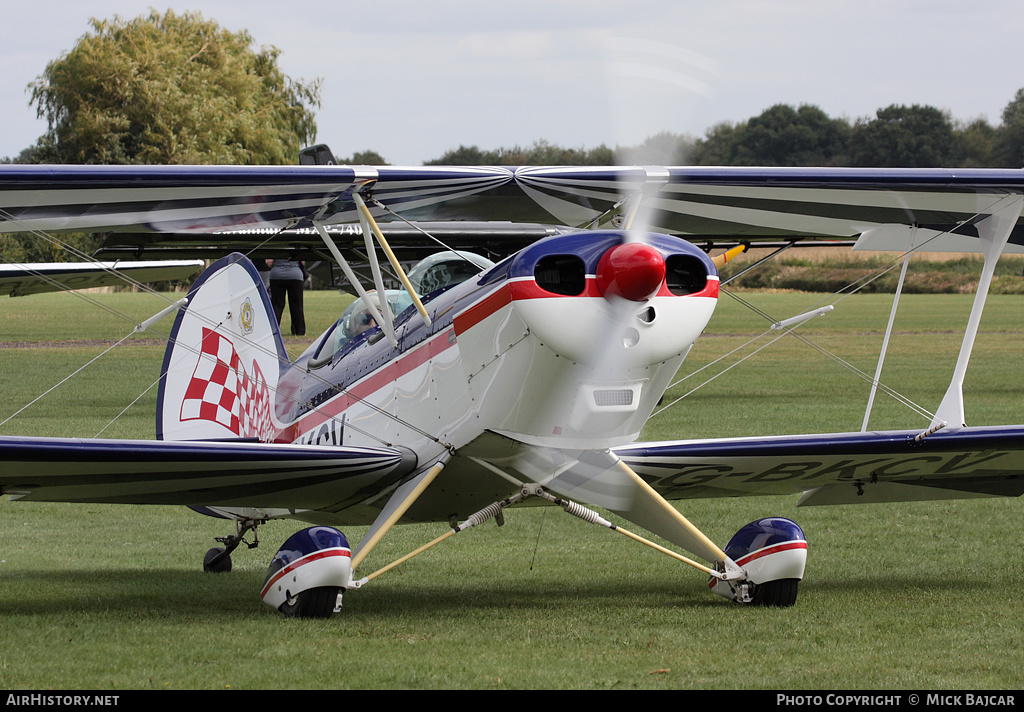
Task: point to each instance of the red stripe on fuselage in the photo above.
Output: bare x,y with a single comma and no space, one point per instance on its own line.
527,288
498,299
370,384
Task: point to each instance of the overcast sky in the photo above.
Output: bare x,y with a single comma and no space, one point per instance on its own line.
411,79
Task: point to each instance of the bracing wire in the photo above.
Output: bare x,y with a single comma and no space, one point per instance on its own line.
188,348
66,378
843,293
68,247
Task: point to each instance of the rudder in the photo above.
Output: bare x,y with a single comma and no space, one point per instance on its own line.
223,360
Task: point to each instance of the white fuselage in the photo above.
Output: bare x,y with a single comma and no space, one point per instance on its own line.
506,362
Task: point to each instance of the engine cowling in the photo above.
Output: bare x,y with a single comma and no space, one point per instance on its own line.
581,335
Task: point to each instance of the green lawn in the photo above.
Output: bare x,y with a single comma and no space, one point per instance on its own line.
920,595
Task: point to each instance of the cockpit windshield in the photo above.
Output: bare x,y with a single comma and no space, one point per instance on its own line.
359,317
446,269
429,277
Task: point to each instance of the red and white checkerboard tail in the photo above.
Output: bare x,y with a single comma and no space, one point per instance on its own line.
223,360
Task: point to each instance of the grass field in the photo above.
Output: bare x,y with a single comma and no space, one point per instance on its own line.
902,596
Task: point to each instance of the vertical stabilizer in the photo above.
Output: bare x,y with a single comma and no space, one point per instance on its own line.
223,361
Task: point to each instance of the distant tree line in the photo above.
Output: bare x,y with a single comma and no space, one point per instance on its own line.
898,136
177,88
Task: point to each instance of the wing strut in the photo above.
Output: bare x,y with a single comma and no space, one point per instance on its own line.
655,178
675,514
526,491
888,330
994,231
602,479
589,515
727,256
385,325
367,220
398,505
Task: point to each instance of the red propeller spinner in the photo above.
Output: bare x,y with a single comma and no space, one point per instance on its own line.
632,270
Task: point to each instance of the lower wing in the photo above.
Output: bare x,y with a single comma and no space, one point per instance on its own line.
197,473
839,468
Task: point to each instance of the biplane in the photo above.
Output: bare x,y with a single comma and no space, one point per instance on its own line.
516,362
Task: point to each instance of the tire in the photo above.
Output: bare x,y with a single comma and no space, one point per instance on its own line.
780,593
221,567
311,603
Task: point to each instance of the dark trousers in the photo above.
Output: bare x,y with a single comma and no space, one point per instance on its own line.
290,290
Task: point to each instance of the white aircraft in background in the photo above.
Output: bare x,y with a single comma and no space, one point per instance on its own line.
478,386
21,279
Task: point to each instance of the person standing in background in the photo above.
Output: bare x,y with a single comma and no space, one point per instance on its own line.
286,282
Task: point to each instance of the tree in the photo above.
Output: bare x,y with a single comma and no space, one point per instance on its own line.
780,136
716,148
171,89
368,157
661,149
461,156
975,143
784,136
1008,148
541,153
905,137
27,247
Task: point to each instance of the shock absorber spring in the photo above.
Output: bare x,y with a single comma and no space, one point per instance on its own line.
587,515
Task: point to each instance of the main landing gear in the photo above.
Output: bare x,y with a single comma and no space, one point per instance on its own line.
307,574
772,552
314,567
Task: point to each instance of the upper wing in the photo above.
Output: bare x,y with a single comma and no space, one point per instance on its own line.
841,468
36,278
194,473
706,203
209,205
202,200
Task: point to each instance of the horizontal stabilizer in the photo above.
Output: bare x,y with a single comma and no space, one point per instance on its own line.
236,474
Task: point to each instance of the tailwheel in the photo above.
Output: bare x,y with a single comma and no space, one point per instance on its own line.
217,561
311,603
